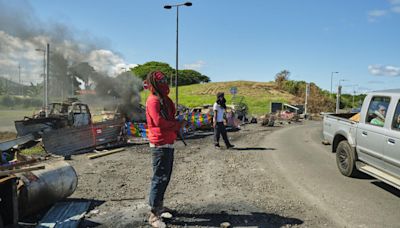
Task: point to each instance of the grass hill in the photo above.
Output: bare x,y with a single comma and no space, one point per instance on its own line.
257,95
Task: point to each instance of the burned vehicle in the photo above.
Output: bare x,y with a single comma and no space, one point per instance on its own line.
61,114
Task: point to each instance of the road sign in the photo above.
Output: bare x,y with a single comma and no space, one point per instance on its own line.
233,90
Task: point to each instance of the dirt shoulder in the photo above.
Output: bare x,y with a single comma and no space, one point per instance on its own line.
209,186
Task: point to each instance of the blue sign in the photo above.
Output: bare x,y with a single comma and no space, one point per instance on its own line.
233,90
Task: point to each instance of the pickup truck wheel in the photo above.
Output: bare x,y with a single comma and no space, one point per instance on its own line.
346,159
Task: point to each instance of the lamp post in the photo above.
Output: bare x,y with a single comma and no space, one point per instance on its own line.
335,72
19,80
177,33
353,92
44,74
339,92
46,66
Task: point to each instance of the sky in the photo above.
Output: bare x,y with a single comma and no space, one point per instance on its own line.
225,39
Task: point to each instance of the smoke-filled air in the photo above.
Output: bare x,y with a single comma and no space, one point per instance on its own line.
77,60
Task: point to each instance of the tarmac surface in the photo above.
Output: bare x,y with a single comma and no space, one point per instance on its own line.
278,176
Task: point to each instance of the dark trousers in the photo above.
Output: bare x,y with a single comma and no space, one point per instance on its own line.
163,160
220,130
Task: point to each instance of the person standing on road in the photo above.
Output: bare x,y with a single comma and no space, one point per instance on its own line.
163,129
218,121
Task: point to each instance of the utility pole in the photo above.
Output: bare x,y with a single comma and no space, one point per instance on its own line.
44,75
6,81
306,100
72,85
19,79
47,80
335,72
177,44
339,92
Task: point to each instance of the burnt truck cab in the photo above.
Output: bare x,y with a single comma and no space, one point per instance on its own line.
75,113
69,113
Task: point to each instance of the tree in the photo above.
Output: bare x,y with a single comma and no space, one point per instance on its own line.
186,77
141,71
34,90
281,77
3,88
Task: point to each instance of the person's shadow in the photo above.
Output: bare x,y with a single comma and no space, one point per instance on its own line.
252,148
243,220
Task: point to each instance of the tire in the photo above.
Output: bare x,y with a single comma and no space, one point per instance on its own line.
346,159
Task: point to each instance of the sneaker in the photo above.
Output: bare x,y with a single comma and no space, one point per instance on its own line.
156,221
166,213
217,146
230,146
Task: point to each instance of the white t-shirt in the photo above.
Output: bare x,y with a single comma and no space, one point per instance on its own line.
220,112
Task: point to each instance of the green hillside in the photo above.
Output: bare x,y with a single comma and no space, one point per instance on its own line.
257,95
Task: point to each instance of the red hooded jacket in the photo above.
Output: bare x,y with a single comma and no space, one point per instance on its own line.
161,131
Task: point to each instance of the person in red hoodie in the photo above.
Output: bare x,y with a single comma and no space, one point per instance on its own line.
163,129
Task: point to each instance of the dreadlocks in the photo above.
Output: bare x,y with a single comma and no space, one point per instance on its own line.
156,79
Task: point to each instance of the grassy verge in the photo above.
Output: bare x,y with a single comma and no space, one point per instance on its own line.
258,96
7,118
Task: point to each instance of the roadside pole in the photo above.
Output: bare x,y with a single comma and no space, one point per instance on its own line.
306,100
339,92
19,80
47,80
233,91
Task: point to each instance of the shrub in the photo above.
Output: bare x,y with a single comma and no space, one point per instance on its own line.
7,101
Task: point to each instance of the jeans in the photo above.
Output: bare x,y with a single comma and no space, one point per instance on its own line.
220,130
163,160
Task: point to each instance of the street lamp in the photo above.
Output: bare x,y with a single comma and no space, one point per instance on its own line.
342,80
44,75
46,66
332,80
177,32
339,92
353,86
19,80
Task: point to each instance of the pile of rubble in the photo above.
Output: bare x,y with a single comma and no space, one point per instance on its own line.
33,172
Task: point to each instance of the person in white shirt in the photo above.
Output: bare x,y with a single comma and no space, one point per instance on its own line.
218,121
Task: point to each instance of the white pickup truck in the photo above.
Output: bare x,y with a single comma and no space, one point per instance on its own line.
370,141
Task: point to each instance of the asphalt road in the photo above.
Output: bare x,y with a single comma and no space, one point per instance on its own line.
309,168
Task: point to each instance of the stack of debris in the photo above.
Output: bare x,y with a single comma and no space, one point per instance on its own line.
268,120
28,185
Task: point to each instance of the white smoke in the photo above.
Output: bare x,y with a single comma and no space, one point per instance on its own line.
107,62
21,35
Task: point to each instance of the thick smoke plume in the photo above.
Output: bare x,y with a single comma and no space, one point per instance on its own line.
120,93
21,32
74,57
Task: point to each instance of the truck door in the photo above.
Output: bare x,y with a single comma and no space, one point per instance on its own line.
392,144
371,132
